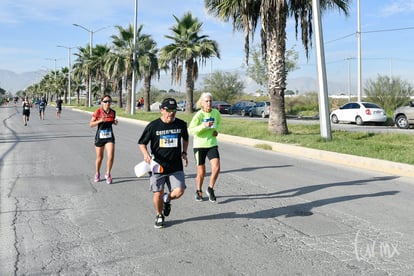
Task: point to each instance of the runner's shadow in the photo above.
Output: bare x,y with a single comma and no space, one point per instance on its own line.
302,209
247,169
302,190
121,180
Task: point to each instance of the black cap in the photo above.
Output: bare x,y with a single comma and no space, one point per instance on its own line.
169,103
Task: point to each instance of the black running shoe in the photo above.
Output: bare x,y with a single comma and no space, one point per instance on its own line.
159,221
210,193
199,195
166,209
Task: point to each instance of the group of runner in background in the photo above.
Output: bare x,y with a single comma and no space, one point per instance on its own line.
40,103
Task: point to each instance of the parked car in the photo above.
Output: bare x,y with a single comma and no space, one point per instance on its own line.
241,108
261,109
221,106
181,105
404,115
359,113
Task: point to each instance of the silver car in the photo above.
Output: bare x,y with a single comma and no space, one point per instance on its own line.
261,109
181,105
404,116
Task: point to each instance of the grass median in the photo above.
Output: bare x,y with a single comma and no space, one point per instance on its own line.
386,146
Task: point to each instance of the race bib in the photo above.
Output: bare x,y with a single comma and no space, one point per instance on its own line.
105,134
210,120
169,141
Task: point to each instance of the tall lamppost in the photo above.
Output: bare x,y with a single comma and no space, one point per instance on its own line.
91,32
134,58
48,93
325,125
70,70
359,80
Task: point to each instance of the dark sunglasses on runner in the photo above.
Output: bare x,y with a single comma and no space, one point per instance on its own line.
170,109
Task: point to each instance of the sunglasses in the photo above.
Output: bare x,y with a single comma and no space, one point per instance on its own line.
170,109
107,101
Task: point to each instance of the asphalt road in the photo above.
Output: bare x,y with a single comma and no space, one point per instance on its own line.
276,214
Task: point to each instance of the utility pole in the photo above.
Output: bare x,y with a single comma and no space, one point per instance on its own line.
359,53
325,125
349,77
134,59
69,72
48,92
91,32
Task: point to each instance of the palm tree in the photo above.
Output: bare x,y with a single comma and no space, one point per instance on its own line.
77,86
99,55
48,85
121,62
82,68
148,68
60,83
272,16
65,80
186,51
115,69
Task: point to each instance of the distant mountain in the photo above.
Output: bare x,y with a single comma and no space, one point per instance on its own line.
14,82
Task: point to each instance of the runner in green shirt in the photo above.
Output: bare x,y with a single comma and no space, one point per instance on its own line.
204,126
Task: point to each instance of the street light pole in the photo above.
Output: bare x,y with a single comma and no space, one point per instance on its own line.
70,70
91,32
134,58
359,52
54,59
349,77
325,125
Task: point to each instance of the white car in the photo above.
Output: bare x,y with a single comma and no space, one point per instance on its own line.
359,113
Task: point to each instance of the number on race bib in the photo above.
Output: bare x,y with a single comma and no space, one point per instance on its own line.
105,134
169,141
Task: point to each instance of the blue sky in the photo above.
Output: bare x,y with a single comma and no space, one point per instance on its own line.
31,29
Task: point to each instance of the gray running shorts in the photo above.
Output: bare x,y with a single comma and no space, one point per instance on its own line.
175,179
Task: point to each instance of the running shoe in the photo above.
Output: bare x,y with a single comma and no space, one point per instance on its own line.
166,209
210,193
97,177
159,221
199,195
108,178
165,197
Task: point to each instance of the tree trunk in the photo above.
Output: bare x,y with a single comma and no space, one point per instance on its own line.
65,91
87,94
277,72
129,94
78,94
120,93
147,90
189,86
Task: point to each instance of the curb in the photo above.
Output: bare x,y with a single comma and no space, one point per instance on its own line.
367,163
